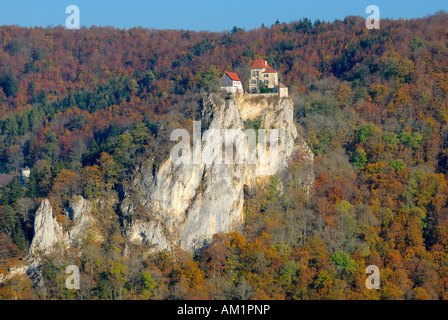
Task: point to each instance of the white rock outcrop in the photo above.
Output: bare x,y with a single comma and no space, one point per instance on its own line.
49,235
47,231
80,213
185,204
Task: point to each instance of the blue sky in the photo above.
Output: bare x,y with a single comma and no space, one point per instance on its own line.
209,15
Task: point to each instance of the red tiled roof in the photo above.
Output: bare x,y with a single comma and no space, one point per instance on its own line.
282,85
260,64
6,178
233,76
270,70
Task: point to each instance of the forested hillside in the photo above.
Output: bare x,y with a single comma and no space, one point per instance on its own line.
82,108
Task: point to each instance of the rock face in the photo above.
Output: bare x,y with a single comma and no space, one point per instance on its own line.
82,221
47,231
184,204
49,235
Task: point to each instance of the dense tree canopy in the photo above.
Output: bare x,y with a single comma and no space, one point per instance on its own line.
83,108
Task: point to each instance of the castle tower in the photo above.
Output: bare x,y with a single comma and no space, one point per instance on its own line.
26,172
262,72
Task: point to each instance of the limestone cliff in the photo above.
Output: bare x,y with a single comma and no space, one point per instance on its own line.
47,231
49,236
185,204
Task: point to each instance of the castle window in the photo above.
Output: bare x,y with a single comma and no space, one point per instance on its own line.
255,73
254,81
266,81
266,75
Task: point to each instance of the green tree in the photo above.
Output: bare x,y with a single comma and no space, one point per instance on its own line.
397,164
367,131
390,139
13,226
148,285
23,124
411,139
11,128
264,88
140,133
92,182
236,29
9,83
16,190
209,79
125,148
109,167
359,158
289,271
343,262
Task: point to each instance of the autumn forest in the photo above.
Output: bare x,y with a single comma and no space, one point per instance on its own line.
83,108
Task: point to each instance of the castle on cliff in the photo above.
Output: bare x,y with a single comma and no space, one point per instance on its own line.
263,80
